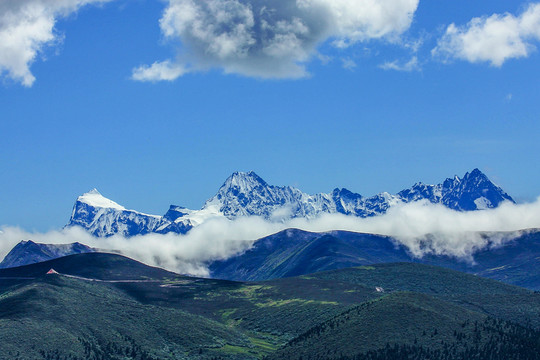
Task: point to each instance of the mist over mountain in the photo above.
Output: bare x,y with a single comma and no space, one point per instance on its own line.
294,252
247,194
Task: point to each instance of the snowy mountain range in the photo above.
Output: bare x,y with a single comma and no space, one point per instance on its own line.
247,194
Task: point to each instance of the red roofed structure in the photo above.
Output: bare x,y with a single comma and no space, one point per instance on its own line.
52,271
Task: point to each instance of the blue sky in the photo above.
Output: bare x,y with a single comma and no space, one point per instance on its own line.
377,115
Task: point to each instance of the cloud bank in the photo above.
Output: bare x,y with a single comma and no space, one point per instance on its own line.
264,39
494,39
450,232
26,28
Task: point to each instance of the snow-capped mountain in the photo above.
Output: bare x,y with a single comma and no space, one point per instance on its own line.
247,194
103,217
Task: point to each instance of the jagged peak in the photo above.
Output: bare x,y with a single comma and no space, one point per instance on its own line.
95,199
243,180
420,184
245,175
476,174
25,242
345,193
177,207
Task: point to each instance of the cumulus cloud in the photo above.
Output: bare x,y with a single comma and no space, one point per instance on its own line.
26,27
421,227
494,39
276,39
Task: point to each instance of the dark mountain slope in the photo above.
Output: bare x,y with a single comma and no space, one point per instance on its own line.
101,266
29,252
516,262
295,252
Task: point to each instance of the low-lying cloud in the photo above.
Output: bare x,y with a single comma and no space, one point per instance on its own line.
421,227
264,39
493,39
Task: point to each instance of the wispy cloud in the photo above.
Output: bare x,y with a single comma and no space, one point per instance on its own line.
348,64
451,232
271,39
26,28
411,65
493,39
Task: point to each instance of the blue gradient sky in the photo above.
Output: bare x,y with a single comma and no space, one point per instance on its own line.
85,123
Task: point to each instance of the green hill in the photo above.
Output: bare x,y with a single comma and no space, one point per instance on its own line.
411,326
63,318
133,311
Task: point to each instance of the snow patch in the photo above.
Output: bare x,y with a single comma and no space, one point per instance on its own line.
482,203
95,199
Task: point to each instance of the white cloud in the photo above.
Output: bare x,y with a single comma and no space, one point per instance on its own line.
411,65
450,232
26,27
494,39
274,39
215,239
159,71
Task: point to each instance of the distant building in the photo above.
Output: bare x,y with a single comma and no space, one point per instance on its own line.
52,271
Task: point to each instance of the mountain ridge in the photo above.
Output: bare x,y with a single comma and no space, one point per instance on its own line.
295,252
247,194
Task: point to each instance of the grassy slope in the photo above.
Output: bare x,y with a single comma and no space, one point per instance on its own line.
413,320
488,296
73,316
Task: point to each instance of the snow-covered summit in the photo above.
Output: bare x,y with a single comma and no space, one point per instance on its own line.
104,217
95,199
